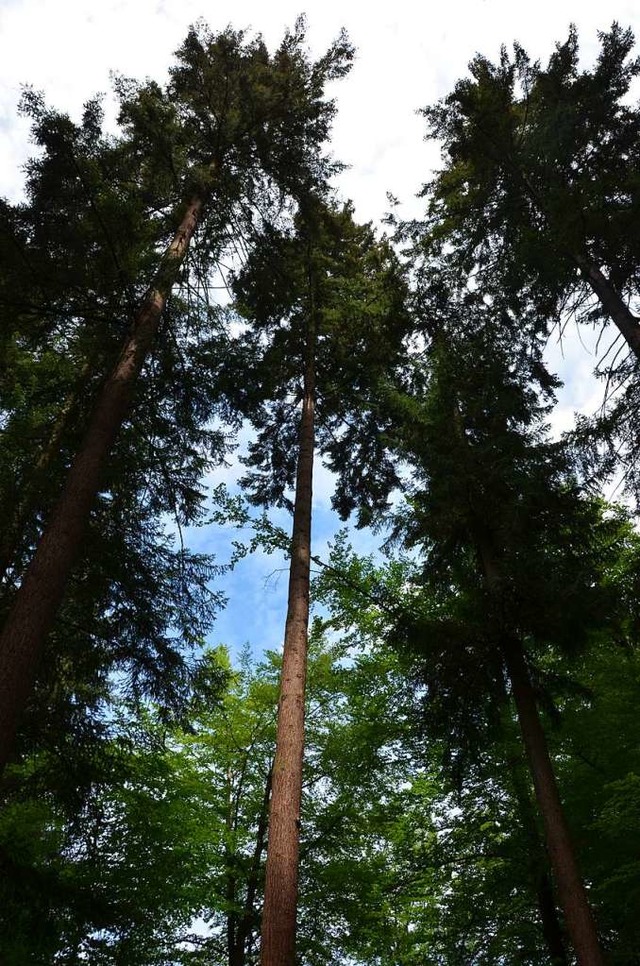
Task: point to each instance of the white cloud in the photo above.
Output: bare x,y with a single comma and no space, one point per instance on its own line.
409,55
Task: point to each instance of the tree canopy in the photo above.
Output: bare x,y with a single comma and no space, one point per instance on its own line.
469,788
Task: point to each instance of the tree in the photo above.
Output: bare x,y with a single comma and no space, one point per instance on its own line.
205,137
310,297
495,532
138,606
281,885
485,841
461,873
540,160
514,553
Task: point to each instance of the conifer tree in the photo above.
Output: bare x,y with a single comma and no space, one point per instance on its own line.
541,160
232,122
507,532
311,297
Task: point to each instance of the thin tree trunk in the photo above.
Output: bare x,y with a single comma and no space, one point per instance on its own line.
571,890
14,526
230,865
551,928
626,322
249,912
281,883
42,588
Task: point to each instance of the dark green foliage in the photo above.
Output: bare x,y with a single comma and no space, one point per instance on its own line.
137,600
541,158
352,283
491,491
133,821
235,122
539,187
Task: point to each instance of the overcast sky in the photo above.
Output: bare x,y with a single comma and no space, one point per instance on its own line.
409,54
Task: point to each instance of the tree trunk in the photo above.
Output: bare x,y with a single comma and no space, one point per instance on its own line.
571,890
626,322
551,928
231,869
281,884
42,588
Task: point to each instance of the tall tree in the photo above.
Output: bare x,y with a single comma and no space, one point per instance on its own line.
484,840
311,297
541,160
281,885
231,119
492,499
508,541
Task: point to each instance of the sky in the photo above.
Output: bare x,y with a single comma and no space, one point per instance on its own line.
409,54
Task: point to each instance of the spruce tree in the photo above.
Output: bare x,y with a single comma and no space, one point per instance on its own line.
232,122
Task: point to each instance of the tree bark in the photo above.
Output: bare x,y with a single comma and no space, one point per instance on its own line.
571,890
281,883
231,869
43,585
572,894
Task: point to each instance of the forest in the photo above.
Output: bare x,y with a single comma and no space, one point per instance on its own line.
441,767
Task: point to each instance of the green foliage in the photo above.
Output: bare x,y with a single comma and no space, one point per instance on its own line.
334,275
536,158
133,827
539,183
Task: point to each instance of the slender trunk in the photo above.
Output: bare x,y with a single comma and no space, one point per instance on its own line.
249,913
13,528
571,890
230,866
551,928
626,322
43,585
539,860
281,883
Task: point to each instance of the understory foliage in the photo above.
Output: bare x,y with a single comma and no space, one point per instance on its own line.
134,813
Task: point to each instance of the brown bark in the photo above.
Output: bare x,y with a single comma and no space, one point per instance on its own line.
619,313
281,883
572,894
571,890
551,928
231,865
44,582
